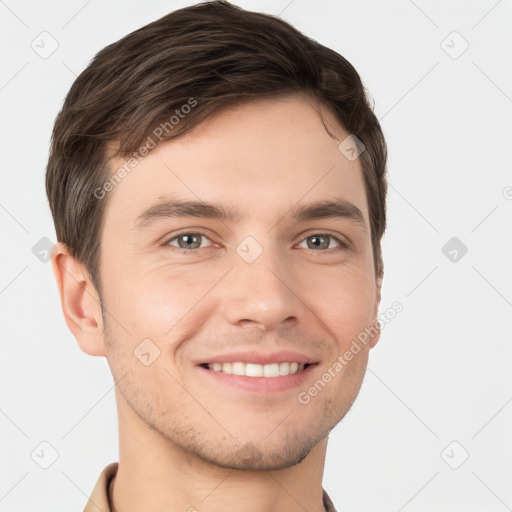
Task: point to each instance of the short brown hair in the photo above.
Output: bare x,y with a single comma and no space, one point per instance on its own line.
219,55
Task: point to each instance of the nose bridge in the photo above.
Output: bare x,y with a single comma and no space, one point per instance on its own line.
259,288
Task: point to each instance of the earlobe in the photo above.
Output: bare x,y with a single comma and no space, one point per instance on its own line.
79,300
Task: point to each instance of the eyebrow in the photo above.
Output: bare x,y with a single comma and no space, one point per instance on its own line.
324,209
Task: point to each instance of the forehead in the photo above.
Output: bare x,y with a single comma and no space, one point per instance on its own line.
265,156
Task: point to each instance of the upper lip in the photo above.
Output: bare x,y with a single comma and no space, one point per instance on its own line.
283,356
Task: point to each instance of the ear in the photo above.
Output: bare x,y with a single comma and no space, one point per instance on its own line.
378,289
80,301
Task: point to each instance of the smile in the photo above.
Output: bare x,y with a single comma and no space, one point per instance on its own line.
257,370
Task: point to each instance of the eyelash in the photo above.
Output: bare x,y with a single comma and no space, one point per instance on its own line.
342,244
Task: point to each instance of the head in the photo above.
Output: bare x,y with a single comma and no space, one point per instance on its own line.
203,207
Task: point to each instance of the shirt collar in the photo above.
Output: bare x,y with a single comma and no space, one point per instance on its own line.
99,499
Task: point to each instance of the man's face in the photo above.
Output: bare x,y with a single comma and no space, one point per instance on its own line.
263,287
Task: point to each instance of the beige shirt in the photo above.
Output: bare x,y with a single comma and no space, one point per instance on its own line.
99,498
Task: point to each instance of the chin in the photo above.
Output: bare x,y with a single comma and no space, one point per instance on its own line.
260,455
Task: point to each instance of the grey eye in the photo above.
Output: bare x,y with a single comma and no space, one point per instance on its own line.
320,241
187,240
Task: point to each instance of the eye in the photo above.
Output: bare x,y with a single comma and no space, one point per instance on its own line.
187,241
322,241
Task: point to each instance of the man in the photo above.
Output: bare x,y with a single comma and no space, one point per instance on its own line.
217,182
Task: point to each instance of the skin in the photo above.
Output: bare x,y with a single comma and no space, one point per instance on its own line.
181,433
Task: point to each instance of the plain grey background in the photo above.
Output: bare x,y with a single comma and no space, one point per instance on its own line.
430,430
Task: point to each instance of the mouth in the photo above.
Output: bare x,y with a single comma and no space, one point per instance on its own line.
271,370
258,373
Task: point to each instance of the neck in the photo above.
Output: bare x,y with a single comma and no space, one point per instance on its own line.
154,473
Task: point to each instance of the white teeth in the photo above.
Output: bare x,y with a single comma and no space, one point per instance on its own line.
239,368
271,370
257,370
253,370
284,369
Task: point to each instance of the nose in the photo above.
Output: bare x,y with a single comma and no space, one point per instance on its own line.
262,293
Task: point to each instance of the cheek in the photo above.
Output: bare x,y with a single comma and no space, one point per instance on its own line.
165,305
343,299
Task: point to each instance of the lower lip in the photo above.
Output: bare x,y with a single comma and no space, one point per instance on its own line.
262,385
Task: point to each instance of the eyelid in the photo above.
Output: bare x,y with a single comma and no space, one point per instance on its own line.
343,242
187,231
